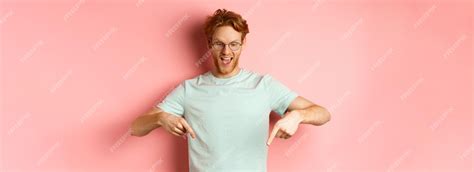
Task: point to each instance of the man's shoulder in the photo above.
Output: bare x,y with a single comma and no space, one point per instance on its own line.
192,79
196,79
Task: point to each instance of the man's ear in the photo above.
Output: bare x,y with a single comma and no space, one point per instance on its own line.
209,43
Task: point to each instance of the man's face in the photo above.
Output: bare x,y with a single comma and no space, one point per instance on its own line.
226,46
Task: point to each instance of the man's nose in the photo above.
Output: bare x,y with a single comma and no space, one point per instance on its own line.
226,50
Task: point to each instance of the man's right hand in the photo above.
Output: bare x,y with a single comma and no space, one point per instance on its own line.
175,125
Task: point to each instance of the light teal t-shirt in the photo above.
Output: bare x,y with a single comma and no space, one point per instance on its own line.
230,117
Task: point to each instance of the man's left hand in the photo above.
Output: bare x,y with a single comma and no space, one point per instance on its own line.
286,126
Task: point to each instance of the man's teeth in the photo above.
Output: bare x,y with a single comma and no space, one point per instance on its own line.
226,60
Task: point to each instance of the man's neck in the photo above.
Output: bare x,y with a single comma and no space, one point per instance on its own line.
231,74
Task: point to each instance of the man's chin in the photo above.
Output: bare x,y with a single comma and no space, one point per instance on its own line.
225,70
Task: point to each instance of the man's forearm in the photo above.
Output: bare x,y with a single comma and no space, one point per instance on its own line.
315,115
145,124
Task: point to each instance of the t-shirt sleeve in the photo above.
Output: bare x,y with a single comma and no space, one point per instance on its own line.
280,96
173,103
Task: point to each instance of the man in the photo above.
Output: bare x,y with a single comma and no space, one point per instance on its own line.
226,110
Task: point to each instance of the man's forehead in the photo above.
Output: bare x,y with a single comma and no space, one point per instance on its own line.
227,33
227,37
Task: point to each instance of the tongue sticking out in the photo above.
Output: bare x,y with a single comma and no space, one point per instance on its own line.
226,61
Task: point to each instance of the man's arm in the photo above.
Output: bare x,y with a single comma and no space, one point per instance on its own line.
146,123
310,113
299,111
156,118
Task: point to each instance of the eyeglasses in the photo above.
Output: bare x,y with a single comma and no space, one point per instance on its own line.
234,46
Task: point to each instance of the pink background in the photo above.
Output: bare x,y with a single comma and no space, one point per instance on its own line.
396,75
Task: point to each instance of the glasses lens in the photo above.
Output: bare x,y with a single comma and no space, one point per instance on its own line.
218,46
234,46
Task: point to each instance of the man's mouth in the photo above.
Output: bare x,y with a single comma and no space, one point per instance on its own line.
226,60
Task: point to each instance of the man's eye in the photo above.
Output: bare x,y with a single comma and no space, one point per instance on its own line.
219,43
234,44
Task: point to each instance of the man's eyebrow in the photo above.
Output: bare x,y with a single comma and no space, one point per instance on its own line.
236,40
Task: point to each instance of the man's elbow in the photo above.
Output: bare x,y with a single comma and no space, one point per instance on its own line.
136,130
325,116
137,133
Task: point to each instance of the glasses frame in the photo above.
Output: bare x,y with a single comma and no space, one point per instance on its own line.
214,47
